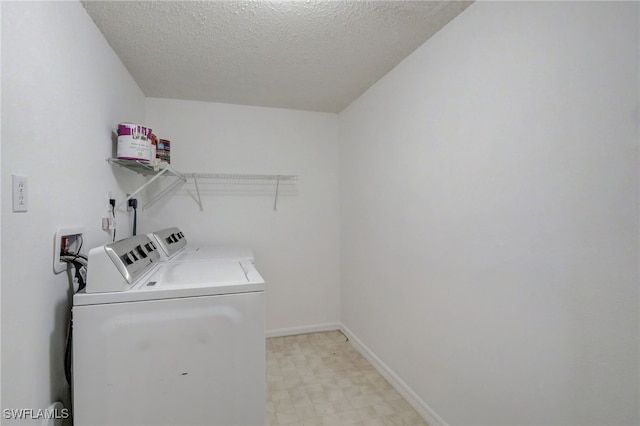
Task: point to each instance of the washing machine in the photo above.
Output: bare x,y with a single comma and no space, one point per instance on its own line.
173,247
157,343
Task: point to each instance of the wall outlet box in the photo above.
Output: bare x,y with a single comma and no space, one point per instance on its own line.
66,239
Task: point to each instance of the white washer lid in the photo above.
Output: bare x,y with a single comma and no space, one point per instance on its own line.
184,279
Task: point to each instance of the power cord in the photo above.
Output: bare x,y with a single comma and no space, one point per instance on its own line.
133,203
112,202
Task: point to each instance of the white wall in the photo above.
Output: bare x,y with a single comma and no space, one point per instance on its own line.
63,91
489,215
297,246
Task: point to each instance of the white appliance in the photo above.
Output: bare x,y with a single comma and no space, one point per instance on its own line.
172,245
168,343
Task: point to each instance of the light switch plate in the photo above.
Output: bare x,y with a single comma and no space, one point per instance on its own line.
20,199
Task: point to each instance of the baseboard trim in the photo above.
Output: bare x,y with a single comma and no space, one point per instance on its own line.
292,331
427,413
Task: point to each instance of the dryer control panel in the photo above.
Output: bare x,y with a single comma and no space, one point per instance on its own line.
170,241
116,266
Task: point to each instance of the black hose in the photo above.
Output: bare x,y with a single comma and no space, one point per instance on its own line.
67,351
78,265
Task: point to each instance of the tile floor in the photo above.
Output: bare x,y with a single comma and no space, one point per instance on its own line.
320,379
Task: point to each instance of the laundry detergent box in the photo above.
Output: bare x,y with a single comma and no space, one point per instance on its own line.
163,151
134,142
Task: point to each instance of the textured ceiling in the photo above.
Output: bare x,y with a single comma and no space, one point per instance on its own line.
308,55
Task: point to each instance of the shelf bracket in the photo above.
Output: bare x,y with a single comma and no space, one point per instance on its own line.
157,169
195,181
137,191
163,193
275,200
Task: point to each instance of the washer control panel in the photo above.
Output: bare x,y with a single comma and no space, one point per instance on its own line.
116,266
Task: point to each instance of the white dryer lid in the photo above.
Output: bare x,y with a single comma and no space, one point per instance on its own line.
213,253
187,275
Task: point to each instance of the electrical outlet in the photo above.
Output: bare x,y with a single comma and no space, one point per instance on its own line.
66,240
109,205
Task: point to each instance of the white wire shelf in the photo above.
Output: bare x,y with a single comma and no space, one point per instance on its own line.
238,176
145,168
159,168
